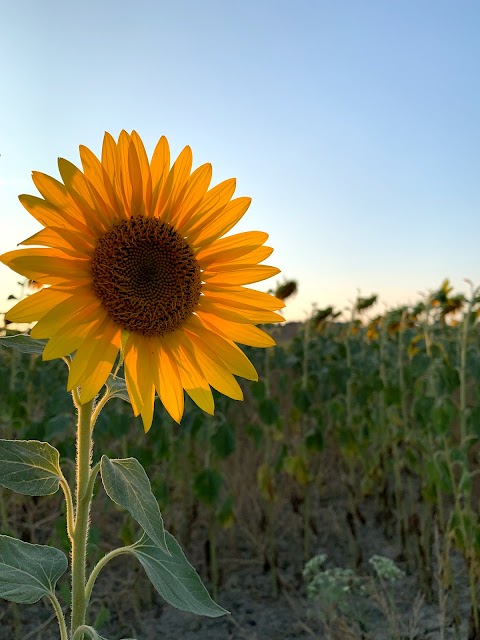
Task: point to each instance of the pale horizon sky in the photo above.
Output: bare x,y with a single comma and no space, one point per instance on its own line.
354,126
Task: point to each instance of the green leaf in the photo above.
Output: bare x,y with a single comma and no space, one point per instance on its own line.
23,343
258,390
207,485
223,440
29,467
117,388
127,484
256,433
268,411
28,571
443,414
301,399
102,617
175,579
314,440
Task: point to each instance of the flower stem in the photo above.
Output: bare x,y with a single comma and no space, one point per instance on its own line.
84,490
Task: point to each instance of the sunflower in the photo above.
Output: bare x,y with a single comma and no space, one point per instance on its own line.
138,268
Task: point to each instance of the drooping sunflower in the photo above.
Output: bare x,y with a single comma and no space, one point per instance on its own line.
135,259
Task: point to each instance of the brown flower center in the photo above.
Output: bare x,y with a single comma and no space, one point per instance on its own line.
146,276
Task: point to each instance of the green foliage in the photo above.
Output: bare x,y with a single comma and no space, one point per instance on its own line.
29,571
127,484
174,578
268,411
29,467
23,343
223,440
207,486
385,398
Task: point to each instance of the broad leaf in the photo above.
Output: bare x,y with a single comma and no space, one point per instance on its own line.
29,467
23,343
175,579
127,484
28,571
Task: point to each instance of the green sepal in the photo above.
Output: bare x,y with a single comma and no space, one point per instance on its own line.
117,388
29,467
127,484
174,578
28,571
23,343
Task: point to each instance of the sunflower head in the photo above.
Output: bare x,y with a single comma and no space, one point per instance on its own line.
134,256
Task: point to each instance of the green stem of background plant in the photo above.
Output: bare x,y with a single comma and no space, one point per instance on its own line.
83,498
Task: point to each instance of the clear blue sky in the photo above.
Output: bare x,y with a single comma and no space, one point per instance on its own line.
353,124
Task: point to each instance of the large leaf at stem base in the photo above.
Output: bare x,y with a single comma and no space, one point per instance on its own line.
175,579
28,571
127,484
29,467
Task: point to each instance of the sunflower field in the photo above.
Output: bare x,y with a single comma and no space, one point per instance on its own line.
361,437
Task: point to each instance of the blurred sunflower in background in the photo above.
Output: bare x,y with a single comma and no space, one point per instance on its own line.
135,257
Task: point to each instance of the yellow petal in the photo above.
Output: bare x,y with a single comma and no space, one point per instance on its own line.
65,342
145,380
242,333
48,266
191,377
209,208
78,190
50,215
195,191
214,369
249,316
135,177
159,169
35,306
94,359
174,185
100,363
122,182
228,218
145,169
254,257
238,274
101,187
67,241
231,248
167,382
130,369
243,298
109,151
70,309
69,336
234,358
56,193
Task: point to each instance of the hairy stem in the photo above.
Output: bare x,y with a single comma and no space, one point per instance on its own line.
83,498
